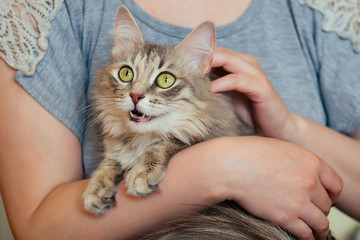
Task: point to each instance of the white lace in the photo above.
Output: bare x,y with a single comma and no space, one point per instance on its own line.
340,16
24,29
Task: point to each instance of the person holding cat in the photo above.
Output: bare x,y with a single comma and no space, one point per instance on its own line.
294,83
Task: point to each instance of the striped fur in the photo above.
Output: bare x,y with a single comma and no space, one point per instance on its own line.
226,221
181,115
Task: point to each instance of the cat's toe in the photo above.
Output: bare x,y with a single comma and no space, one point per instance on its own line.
142,187
97,207
141,182
138,186
137,183
97,203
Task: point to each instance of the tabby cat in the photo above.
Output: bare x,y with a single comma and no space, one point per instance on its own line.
153,101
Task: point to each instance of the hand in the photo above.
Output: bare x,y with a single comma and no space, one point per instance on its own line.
272,179
256,100
287,179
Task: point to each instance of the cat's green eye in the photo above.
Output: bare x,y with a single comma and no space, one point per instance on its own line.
126,74
165,80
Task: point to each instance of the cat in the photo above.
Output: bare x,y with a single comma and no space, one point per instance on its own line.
152,102
225,221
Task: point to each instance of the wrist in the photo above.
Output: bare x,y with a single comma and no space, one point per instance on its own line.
206,171
296,127
194,172
289,128
224,167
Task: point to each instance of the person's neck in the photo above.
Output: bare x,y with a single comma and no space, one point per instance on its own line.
190,13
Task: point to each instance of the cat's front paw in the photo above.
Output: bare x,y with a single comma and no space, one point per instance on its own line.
98,199
141,181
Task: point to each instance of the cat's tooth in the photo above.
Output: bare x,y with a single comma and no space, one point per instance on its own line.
143,116
131,114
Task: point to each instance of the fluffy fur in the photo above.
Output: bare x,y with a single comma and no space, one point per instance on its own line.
144,124
226,221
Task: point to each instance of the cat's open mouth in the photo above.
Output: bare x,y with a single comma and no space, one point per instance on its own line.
137,116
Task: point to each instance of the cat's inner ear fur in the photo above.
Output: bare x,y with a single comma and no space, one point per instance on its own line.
126,30
199,46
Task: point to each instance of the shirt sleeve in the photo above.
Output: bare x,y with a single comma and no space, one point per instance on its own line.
339,80
336,68
60,80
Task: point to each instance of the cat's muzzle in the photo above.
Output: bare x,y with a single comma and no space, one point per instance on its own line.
139,117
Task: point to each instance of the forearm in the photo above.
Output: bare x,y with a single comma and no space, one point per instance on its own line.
61,214
340,151
41,172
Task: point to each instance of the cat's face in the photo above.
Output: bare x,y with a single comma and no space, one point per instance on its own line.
150,88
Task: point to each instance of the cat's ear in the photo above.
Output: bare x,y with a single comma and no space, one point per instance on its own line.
126,30
199,46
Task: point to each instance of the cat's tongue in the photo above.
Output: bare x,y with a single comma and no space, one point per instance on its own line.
139,117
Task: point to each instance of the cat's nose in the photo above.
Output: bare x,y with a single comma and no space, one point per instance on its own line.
136,97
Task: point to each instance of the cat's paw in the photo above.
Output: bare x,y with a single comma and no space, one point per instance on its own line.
140,181
99,199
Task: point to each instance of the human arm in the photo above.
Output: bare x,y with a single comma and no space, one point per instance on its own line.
263,108
340,151
41,178
45,169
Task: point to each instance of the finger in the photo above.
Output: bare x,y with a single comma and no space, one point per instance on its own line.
231,61
331,182
322,200
219,57
299,229
230,82
246,56
241,83
316,220
234,82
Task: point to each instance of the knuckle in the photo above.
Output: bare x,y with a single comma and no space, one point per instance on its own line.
306,234
314,161
300,203
233,78
236,78
250,58
282,218
322,229
327,210
240,81
324,226
338,186
309,183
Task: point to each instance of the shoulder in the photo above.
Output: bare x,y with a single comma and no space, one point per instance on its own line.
337,19
341,17
332,46
25,27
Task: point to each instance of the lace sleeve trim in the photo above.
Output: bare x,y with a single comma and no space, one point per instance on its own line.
24,29
340,16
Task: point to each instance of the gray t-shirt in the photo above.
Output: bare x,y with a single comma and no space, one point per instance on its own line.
316,73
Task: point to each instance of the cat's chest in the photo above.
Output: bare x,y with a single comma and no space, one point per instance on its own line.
129,151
